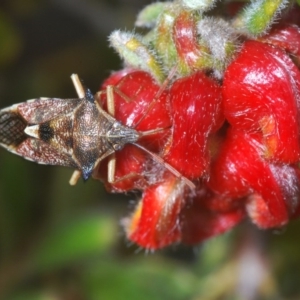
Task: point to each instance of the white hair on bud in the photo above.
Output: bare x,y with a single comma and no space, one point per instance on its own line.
148,17
137,57
216,33
203,5
254,8
118,37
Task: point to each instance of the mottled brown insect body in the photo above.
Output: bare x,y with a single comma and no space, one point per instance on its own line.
75,133
69,132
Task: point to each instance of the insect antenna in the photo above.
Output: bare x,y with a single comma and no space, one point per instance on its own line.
166,165
152,131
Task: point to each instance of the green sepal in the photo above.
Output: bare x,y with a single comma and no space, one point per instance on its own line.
163,41
149,15
258,16
132,48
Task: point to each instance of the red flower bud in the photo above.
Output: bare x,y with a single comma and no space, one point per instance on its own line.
136,105
286,37
261,94
154,224
196,111
239,171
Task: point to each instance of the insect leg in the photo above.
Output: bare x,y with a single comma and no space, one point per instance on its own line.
75,177
120,93
78,86
111,165
111,168
110,100
110,89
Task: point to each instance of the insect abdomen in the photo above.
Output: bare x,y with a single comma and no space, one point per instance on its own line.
12,127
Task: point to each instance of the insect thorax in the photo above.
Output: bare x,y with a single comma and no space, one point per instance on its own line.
85,135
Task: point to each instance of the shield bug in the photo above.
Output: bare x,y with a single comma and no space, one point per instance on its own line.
75,133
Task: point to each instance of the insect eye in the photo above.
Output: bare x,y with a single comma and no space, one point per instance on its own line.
117,147
117,125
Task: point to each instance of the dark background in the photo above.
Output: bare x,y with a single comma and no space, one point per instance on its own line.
63,242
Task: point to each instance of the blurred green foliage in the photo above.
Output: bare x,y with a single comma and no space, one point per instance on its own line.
62,242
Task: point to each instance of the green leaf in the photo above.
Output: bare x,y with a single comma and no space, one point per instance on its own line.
73,241
145,279
10,41
32,295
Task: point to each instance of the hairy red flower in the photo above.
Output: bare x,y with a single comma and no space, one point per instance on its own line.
261,94
237,139
196,110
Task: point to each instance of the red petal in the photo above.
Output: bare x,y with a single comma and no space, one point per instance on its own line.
154,224
140,89
129,170
135,99
261,94
239,170
286,37
186,40
196,108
